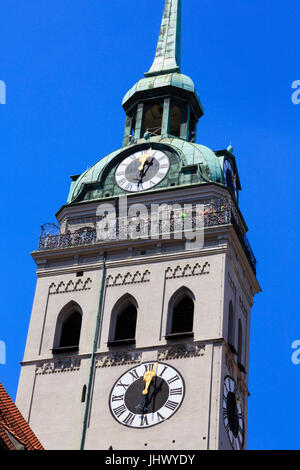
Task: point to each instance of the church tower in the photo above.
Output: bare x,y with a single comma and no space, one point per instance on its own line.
139,333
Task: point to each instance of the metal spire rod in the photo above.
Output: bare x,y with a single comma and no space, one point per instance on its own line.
168,52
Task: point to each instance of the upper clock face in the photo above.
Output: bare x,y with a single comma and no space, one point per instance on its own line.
233,414
142,170
230,177
146,395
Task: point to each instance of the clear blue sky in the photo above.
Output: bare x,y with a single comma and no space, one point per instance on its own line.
67,65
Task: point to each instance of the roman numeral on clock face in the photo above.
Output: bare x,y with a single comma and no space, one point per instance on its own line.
119,410
144,420
163,371
176,391
160,417
134,374
117,398
149,367
120,384
128,186
173,379
172,405
129,419
122,181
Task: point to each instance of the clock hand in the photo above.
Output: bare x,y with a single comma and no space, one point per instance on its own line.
148,378
143,172
142,404
143,159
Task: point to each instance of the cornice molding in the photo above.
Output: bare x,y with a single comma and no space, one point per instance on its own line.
145,260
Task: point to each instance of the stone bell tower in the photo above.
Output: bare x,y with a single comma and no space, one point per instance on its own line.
139,333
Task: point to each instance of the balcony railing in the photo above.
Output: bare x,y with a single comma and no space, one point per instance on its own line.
165,226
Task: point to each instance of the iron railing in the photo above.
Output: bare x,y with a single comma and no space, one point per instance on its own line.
166,225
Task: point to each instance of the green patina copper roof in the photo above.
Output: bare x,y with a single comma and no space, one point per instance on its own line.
165,70
168,52
158,81
98,181
188,152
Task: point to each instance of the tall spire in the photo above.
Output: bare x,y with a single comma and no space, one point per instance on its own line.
168,53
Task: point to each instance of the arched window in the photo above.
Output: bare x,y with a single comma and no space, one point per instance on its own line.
175,120
181,315
70,333
240,359
123,322
68,329
230,334
153,119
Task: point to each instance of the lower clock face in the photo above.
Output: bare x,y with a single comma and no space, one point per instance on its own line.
147,395
233,414
142,170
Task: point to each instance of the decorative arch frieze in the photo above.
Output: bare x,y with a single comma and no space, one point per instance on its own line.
128,278
70,286
187,271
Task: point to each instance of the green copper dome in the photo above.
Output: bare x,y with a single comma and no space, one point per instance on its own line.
177,80
162,112
189,154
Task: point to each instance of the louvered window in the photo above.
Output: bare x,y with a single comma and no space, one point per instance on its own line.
126,324
183,316
70,333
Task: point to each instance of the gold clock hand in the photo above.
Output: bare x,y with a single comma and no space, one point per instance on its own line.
148,376
143,159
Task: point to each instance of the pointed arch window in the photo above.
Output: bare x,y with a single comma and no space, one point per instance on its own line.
68,329
70,333
230,334
181,315
240,359
123,323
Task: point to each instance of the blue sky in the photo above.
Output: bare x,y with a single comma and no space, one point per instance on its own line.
67,65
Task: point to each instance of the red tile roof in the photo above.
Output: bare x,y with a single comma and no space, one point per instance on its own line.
12,423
